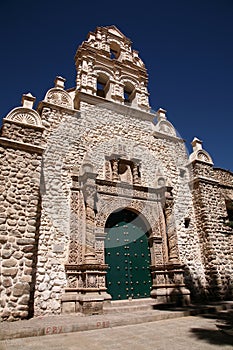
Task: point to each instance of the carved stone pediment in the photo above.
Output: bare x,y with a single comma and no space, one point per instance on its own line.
24,116
59,97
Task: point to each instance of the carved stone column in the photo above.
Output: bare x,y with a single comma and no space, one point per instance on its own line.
135,174
88,187
135,171
115,176
167,271
86,289
157,260
173,254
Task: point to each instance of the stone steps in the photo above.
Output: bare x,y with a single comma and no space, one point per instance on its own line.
48,325
131,305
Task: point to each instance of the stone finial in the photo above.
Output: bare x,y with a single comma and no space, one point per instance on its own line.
196,144
59,82
199,153
161,114
28,100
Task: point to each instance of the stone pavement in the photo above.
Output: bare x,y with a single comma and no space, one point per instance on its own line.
50,325
191,332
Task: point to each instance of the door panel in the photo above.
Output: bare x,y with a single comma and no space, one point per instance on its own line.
128,256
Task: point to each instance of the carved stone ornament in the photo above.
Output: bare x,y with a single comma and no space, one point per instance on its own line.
199,153
59,97
25,116
203,156
165,127
171,232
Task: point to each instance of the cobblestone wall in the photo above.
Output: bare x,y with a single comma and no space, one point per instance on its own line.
41,208
19,223
23,134
216,239
223,176
35,239
95,131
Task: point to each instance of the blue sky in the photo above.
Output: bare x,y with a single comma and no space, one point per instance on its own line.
187,47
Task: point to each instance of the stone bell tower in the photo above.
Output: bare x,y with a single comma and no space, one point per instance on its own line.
108,67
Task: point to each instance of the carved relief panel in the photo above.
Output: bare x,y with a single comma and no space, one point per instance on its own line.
123,170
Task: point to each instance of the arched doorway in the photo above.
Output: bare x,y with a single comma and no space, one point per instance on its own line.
128,256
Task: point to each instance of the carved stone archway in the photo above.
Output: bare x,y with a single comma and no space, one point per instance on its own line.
86,290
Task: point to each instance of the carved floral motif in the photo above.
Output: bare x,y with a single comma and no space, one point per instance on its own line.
59,97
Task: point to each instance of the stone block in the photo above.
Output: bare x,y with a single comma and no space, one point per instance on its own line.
68,307
6,254
20,289
7,282
9,262
9,271
25,241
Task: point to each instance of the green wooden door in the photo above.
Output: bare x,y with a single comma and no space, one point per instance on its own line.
128,256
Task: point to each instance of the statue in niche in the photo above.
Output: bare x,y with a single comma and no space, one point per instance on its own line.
125,172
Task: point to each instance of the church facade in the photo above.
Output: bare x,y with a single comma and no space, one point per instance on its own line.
100,200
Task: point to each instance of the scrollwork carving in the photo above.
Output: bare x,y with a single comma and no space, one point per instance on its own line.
72,281
75,252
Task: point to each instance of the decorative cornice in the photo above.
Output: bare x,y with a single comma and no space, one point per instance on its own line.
128,111
24,125
135,191
43,104
85,267
204,179
168,267
20,145
161,135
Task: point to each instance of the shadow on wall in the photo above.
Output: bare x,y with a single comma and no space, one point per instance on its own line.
216,289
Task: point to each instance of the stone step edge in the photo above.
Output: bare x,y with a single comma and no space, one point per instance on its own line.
132,308
93,323
142,301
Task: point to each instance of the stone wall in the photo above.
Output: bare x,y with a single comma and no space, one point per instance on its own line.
95,132
47,222
27,134
216,239
36,246
225,177
19,217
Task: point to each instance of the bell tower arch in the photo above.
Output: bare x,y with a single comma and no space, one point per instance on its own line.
107,49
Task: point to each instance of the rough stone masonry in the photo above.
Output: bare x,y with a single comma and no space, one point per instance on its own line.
92,151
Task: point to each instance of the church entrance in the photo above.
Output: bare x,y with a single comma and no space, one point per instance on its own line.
128,256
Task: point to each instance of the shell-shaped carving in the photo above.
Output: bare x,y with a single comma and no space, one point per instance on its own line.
24,116
165,127
59,97
204,156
